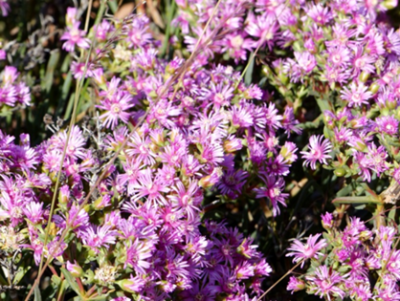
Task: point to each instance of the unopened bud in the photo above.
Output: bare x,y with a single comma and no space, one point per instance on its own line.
211,180
74,269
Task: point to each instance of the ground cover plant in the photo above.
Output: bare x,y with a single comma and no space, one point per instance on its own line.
199,150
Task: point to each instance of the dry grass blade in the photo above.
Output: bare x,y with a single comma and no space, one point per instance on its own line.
280,279
155,15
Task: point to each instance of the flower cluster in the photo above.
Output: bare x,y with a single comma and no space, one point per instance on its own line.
355,263
141,233
172,136
13,92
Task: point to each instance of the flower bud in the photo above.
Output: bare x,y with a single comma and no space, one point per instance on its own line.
374,88
132,285
340,172
327,220
211,180
71,16
389,4
296,284
364,76
64,195
102,202
232,145
74,269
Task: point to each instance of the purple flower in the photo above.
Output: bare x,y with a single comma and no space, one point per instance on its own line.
273,191
319,150
188,198
5,7
232,182
138,256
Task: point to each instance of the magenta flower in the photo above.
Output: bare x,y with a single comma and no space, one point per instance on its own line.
338,56
319,14
151,189
140,148
295,284
138,256
34,212
387,124
356,95
137,36
303,65
131,285
361,61
4,7
74,36
265,28
325,283
116,107
8,95
307,251
319,150
188,198
96,236
273,191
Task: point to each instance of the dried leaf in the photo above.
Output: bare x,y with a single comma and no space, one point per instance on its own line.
124,11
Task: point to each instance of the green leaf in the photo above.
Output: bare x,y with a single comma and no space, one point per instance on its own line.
71,281
103,297
51,66
249,73
36,294
392,213
113,5
3,281
21,273
64,93
345,191
356,200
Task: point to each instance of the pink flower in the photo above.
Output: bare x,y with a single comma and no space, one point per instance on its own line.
319,150
75,36
307,251
96,236
116,107
319,14
387,124
295,284
325,281
356,95
149,188
4,7
265,28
